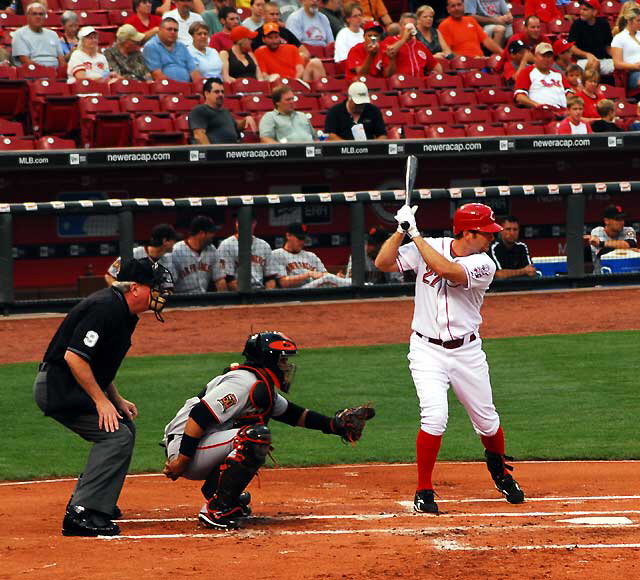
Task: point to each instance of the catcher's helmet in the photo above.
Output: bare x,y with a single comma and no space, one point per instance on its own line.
265,349
475,216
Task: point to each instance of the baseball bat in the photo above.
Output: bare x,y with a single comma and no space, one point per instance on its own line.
409,180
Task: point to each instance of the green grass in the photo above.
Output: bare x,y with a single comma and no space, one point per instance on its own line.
559,397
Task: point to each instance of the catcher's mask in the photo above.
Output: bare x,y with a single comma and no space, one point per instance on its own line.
272,350
152,274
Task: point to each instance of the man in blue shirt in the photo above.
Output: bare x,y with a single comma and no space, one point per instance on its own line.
167,58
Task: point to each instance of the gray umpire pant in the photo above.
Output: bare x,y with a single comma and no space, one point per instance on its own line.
100,484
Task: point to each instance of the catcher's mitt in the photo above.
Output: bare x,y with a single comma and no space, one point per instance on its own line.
349,423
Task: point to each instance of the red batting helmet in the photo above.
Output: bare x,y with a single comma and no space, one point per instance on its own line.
475,216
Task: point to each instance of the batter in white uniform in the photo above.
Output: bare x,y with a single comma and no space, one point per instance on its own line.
452,276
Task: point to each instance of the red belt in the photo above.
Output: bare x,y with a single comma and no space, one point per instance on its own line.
449,344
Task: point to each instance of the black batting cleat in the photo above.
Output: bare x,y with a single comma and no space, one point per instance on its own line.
424,502
80,521
509,487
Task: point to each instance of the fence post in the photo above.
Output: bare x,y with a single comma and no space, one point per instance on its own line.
575,230
357,244
125,225
6,259
245,240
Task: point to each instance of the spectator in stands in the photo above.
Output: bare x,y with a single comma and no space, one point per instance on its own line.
511,255
366,58
404,54
562,50
207,59
332,9
626,13
376,10
229,19
277,60
309,25
516,62
125,58
537,86
574,77
350,35
574,124
163,238
494,16
463,34
430,36
294,267
256,19
592,37
545,10
355,112
10,6
185,17
625,49
161,7
590,95
272,14
34,44
284,124
374,239
211,123
612,236
86,61
212,16
228,254
605,124
69,33
240,62
143,20
167,58
531,35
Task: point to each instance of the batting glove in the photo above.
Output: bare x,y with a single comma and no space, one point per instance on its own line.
406,215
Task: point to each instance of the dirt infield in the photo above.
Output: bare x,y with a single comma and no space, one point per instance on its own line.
344,522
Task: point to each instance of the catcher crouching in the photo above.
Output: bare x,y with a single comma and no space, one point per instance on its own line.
222,436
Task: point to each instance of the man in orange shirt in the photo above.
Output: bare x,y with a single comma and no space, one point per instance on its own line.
278,60
463,34
375,10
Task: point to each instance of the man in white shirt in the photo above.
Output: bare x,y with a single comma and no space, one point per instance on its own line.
614,235
309,25
185,17
35,44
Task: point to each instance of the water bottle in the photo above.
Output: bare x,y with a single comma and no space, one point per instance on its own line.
322,136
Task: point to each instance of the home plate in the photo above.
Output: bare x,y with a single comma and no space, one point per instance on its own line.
599,521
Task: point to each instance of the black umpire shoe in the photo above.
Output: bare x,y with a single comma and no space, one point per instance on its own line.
80,521
115,515
509,487
424,502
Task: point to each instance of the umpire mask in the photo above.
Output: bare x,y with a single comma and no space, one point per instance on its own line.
161,288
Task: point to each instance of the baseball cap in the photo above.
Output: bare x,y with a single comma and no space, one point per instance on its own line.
240,32
298,230
359,93
561,45
614,212
373,25
128,32
591,4
377,235
86,31
516,46
201,223
140,271
544,48
270,27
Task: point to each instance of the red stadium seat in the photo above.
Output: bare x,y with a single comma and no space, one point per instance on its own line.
559,26
233,104
396,117
316,118
12,20
8,72
250,136
494,62
444,132
328,85
295,85
609,8
79,5
11,128
484,130
508,113
181,123
90,87
551,128
478,79
614,93
91,18
52,142
494,96
395,133
177,104
456,98
315,51
16,144
413,99
523,128
401,82
621,78
249,86
54,110
329,100
129,87
471,114
35,71
434,116
140,104
573,8
168,86
414,132
439,81
13,97
625,109
461,62
154,130
118,17
256,103
373,83
114,4
306,103
102,124
384,101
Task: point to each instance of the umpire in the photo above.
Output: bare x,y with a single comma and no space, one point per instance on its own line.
75,386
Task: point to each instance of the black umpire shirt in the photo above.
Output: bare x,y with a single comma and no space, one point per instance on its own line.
594,39
99,330
340,121
510,259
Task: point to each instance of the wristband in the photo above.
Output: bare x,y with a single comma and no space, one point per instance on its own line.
320,422
188,445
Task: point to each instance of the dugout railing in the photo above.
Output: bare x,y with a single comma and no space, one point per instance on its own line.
573,195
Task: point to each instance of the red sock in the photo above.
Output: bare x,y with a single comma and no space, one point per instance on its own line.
427,448
495,443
